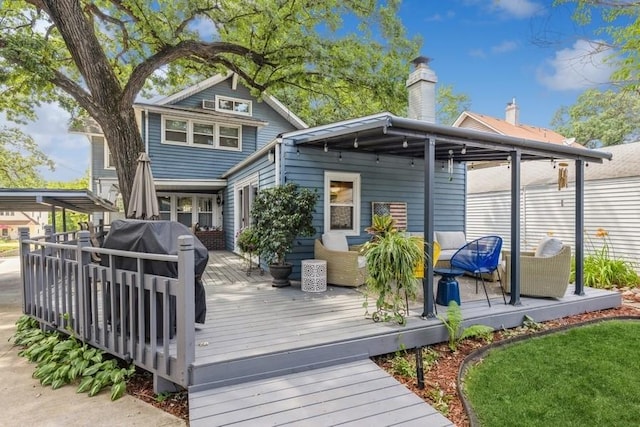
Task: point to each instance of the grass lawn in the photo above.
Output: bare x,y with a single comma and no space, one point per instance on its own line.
585,376
8,245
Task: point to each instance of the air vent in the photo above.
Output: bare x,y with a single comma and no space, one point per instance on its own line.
208,104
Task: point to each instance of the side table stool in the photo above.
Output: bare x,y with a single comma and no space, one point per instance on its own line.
314,275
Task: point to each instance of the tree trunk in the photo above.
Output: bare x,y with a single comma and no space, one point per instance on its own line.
123,138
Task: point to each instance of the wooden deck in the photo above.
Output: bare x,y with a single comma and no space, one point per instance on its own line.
255,332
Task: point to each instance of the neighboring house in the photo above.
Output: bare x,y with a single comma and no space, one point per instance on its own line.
612,202
192,138
10,221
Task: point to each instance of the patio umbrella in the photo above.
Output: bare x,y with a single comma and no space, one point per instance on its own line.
143,203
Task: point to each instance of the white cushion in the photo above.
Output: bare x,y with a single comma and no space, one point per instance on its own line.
335,242
362,261
548,246
451,239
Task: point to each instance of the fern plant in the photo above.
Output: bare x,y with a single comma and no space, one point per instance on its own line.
453,323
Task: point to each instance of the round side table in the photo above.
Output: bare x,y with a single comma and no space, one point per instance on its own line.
448,287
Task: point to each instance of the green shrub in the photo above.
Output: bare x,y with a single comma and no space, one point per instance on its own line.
453,323
601,267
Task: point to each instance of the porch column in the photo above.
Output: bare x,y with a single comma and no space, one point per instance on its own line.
515,227
579,281
427,280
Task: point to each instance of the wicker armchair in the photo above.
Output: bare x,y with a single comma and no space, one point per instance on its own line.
342,267
540,276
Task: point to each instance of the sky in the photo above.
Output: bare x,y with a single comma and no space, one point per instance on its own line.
493,51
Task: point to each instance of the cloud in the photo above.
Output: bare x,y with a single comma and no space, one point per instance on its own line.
477,53
69,152
504,47
520,9
576,68
439,17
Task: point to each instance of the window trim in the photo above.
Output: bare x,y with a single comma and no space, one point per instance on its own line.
190,131
234,100
107,155
342,176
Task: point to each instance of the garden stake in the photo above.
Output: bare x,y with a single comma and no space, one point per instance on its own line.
419,369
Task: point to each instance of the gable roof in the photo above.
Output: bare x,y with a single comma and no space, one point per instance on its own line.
271,101
485,123
624,164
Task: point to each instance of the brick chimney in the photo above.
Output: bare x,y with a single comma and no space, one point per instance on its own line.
512,113
421,85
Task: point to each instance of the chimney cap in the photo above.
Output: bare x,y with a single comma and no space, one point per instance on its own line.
421,60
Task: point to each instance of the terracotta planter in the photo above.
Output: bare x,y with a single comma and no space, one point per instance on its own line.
280,274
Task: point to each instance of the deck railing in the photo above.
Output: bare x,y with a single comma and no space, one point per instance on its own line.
137,316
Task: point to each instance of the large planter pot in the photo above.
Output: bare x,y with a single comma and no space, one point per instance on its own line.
280,274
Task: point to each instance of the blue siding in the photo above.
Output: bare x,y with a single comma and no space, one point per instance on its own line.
184,162
97,160
261,110
393,179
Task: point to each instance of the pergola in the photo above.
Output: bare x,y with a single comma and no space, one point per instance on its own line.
37,200
387,134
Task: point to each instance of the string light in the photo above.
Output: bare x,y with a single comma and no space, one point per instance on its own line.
298,152
412,163
355,142
464,150
509,161
377,158
340,156
326,149
405,143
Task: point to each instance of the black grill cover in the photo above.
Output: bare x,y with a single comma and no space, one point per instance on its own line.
158,237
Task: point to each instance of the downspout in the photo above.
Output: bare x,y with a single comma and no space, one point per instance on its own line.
277,161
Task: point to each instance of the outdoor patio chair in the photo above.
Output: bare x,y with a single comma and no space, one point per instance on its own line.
345,266
541,276
480,257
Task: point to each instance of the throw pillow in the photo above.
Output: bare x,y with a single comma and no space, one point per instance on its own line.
548,246
335,242
451,239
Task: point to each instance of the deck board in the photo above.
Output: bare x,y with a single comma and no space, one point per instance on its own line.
358,393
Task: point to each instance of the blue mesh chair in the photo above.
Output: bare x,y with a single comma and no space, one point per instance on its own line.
479,257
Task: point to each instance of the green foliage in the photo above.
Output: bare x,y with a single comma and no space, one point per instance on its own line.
440,400
401,364
392,258
381,225
247,240
622,26
62,360
601,267
281,214
600,118
20,158
450,105
453,323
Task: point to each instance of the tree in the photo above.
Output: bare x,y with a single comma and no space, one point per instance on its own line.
19,160
623,27
450,105
600,118
72,218
327,59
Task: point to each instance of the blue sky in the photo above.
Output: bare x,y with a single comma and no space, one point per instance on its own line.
491,50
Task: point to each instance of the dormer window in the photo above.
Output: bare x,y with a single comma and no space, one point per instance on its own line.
226,104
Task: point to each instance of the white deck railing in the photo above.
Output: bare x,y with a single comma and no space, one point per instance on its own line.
139,317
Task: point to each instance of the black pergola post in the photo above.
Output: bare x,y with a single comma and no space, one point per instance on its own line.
515,227
579,281
429,176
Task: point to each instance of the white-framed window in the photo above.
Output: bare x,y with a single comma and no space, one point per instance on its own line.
227,104
191,209
342,202
196,133
108,158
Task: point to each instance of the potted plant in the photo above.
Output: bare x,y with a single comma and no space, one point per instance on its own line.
280,214
392,258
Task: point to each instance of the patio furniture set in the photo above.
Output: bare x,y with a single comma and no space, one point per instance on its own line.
543,273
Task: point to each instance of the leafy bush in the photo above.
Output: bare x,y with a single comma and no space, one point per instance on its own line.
601,267
453,323
63,360
247,240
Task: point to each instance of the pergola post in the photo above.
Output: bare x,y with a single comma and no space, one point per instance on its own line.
515,227
429,176
579,280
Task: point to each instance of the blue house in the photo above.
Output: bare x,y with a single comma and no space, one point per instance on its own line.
213,147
